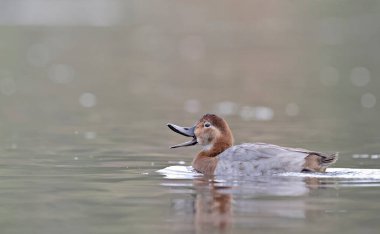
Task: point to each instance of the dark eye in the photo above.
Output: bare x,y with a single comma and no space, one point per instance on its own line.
207,125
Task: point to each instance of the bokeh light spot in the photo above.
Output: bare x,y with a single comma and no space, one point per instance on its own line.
368,100
226,108
87,100
261,113
90,135
264,113
360,76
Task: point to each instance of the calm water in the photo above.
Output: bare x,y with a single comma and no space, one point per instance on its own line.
57,181
84,99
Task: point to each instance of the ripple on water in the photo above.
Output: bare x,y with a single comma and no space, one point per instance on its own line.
187,172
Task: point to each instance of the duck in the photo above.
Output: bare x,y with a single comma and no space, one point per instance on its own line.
219,155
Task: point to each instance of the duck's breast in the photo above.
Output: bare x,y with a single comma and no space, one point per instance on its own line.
259,159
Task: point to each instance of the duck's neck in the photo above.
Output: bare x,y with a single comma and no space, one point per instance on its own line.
206,160
215,149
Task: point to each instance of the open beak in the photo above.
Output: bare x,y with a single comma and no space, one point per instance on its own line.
189,132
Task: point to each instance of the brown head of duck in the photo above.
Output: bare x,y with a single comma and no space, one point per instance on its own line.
213,133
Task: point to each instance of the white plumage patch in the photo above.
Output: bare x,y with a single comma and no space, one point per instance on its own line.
207,147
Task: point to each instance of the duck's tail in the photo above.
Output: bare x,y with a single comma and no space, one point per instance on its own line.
316,162
328,160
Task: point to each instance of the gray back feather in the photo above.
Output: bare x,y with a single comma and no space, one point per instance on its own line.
260,159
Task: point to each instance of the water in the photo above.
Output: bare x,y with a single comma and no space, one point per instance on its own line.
85,98
62,182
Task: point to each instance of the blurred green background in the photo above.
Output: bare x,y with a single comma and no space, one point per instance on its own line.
305,66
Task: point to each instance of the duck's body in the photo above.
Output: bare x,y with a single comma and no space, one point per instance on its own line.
220,157
263,159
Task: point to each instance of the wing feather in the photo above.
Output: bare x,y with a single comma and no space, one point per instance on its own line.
261,158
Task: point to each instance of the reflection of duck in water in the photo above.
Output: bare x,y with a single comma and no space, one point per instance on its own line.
212,206
221,205
220,157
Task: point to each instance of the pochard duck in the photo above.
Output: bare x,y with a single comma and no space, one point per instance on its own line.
220,157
